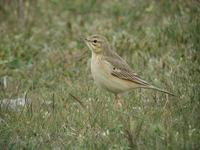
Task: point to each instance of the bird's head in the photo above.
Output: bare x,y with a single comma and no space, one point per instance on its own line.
97,43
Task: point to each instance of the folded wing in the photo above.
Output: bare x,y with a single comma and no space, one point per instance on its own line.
120,69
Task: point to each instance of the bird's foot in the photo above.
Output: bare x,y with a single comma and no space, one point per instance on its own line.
118,103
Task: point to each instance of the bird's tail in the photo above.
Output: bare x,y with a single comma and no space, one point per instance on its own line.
158,89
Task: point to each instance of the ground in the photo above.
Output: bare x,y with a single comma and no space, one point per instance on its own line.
45,63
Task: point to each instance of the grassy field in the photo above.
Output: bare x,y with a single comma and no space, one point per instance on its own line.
44,61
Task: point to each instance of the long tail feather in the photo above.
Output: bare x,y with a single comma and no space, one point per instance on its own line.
158,89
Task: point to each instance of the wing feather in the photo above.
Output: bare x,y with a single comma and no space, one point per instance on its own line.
123,71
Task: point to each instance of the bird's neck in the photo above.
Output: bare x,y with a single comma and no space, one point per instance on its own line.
96,55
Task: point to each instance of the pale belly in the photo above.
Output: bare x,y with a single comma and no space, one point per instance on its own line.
101,73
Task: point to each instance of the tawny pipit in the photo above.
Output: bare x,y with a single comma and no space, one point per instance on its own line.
110,71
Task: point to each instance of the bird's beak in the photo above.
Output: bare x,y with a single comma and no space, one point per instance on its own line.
86,40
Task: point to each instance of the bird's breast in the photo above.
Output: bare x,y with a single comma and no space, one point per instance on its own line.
101,72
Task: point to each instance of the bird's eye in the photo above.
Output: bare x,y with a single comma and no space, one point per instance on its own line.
95,41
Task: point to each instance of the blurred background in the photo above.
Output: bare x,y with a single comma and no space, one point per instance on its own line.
47,96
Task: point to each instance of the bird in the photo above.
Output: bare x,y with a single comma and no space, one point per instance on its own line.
112,72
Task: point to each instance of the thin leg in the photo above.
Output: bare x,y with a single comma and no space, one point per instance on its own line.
117,101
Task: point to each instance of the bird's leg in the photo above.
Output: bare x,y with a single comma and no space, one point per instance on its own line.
117,101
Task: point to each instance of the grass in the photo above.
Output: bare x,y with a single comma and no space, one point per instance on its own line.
43,57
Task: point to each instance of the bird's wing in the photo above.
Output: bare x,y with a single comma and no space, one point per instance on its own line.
120,69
